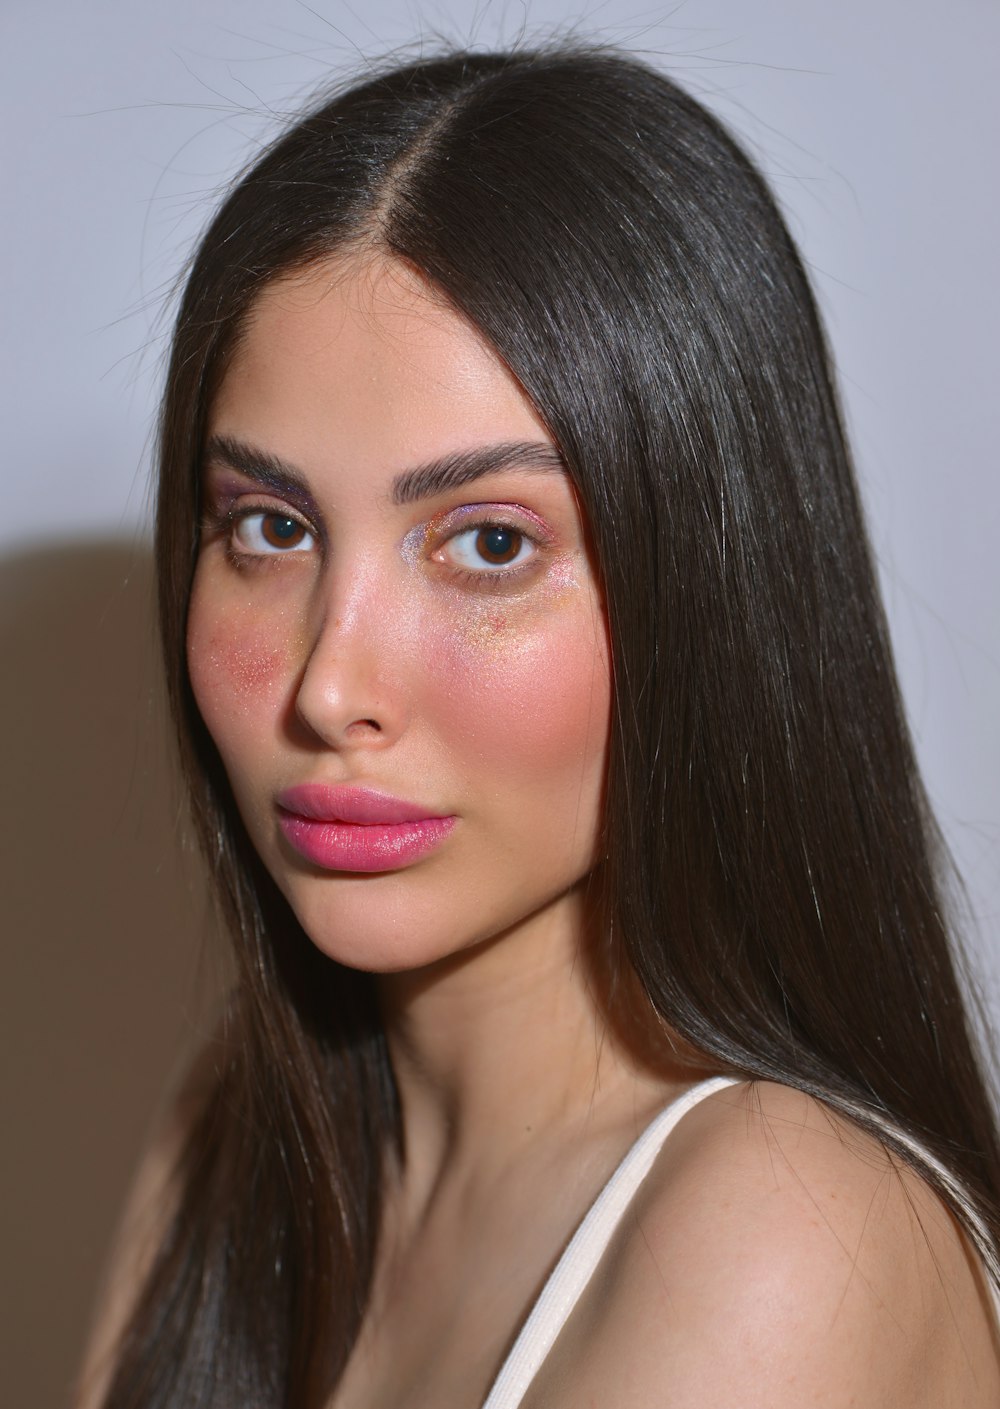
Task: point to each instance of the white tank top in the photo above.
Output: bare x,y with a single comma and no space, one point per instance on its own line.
585,1249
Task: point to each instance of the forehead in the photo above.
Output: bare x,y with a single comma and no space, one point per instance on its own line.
365,356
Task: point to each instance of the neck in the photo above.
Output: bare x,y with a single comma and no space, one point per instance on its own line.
507,1047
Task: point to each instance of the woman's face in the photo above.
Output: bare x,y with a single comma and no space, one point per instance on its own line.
395,635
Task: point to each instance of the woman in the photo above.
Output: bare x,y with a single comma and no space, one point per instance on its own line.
539,717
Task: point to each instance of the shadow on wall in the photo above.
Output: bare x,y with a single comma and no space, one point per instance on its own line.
109,975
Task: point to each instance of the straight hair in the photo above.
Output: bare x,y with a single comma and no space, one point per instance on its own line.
771,869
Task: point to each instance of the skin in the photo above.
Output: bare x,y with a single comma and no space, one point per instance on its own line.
774,1257
371,652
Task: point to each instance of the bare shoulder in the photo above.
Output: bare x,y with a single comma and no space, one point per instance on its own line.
777,1255
149,1209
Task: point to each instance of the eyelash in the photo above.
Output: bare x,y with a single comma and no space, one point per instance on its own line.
224,523
499,577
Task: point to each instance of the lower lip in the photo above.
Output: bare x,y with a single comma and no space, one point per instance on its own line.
351,846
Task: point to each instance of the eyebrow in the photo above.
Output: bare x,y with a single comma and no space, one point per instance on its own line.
424,481
463,466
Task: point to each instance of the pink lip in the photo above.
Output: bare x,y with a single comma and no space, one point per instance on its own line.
357,829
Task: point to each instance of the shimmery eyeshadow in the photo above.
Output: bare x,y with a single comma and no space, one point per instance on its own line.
562,574
233,469
414,546
416,543
455,518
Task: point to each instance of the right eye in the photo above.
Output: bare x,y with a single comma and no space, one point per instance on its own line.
268,532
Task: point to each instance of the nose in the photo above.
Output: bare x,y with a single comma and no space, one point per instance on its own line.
351,691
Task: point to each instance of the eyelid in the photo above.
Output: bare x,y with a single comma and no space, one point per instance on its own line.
279,508
429,541
223,494
509,515
224,485
225,512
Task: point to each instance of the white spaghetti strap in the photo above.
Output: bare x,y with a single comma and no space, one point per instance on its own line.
584,1251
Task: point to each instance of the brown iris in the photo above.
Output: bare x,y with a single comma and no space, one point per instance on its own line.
280,531
495,543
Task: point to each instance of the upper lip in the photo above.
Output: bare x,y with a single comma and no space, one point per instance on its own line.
321,802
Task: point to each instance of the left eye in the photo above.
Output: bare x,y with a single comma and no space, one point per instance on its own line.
270,533
493,545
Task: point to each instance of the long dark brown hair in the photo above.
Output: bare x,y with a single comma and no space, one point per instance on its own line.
771,871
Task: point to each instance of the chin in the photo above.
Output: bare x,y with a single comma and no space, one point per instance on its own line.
359,923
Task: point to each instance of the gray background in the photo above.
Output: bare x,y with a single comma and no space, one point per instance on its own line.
876,122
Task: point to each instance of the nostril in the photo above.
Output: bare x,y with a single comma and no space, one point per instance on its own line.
364,725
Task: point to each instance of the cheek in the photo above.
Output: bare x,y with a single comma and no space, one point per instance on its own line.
240,665
529,698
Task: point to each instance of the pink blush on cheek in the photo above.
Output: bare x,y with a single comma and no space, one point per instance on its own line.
543,693
252,667
235,669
